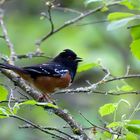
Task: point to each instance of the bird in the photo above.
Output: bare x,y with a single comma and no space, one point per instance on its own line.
59,73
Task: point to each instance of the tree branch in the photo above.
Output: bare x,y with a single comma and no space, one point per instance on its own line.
101,128
34,93
72,21
92,87
82,90
57,111
35,126
6,38
122,78
48,128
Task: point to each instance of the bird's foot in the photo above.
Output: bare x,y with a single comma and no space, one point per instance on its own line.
46,97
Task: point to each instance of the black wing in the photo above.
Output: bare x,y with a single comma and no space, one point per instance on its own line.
50,69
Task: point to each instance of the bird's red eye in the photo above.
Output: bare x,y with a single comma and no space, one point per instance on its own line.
70,58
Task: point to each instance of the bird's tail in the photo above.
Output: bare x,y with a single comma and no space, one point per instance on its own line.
10,67
20,71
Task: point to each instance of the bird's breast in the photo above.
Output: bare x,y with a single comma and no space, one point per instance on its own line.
50,84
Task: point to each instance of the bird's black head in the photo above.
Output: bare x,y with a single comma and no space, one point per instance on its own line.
67,56
68,59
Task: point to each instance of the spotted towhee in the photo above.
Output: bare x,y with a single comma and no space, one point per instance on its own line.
48,77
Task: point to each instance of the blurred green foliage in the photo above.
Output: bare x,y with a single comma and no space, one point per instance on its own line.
92,42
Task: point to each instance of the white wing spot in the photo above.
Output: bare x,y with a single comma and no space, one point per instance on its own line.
35,70
45,71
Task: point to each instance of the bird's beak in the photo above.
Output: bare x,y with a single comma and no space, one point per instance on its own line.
78,59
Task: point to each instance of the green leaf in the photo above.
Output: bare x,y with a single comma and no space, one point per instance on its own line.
135,32
3,112
86,67
118,16
45,104
127,4
131,136
29,102
107,109
134,122
135,48
122,22
126,88
3,93
134,126
33,102
131,4
107,134
114,124
119,23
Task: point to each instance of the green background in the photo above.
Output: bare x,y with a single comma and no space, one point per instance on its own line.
92,42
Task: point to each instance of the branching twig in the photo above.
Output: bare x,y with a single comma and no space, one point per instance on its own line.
35,126
65,116
82,90
122,78
50,6
99,127
135,110
6,38
33,54
10,99
92,87
72,21
48,128
35,94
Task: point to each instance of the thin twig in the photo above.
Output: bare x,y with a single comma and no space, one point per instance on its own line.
35,94
34,125
6,38
48,128
99,127
67,10
72,21
13,101
92,87
134,111
92,22
122,78
11,96
127,70
25,96
82,90
50,17
33,54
